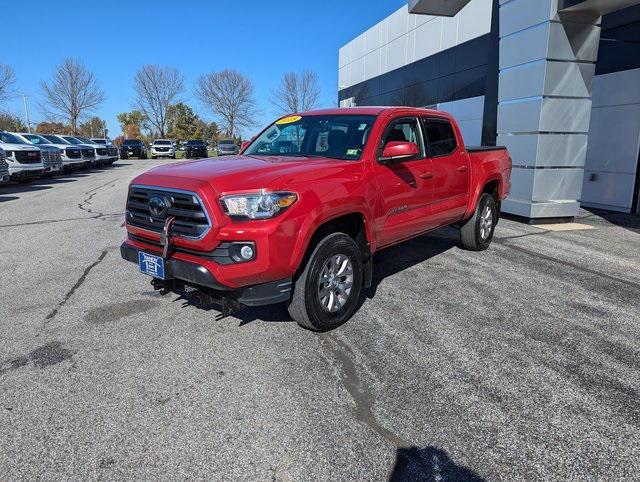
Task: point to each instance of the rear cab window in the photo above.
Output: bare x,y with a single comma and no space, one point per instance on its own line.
440,136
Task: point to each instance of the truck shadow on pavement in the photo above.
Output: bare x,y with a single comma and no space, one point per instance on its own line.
387,263
429,464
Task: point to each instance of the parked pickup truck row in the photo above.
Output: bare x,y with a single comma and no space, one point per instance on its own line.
297,216
30,156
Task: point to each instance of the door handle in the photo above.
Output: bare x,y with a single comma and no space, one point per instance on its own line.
463,169
426,175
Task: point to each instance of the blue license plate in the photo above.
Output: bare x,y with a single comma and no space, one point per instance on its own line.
151,265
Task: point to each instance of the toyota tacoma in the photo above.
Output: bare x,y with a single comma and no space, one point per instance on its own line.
297,216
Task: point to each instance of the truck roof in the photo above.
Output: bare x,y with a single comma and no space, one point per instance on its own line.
372,110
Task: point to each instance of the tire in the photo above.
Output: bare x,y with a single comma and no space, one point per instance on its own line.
173,156
477,232
307,306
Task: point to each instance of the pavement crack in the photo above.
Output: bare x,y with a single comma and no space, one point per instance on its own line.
52,314
342,354
83,206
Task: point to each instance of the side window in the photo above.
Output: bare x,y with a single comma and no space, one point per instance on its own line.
403,130
440,137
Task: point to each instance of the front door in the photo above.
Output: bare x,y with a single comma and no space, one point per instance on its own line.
403,186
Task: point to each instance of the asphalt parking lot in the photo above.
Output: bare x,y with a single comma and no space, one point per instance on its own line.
521,362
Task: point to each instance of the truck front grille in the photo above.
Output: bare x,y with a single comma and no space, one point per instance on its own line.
28,157
4,166
90,153
190,218
51,157
102,151
73,153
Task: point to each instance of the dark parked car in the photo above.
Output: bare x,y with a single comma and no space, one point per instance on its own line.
133,148
195,149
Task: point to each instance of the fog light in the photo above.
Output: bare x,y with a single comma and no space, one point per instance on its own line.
246,252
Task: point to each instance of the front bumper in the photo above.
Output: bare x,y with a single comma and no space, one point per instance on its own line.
162,153
199,276
27,173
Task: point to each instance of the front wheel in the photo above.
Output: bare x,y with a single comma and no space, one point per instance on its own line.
327,292
476,233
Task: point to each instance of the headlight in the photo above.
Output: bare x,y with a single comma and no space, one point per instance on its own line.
260,205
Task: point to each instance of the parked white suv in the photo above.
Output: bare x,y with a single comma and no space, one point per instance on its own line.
51,155
25,160
163,148
103,156
73,158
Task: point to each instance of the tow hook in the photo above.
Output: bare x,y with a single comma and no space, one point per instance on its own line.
165,237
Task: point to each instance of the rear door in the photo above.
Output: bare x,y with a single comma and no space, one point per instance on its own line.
404,186
451,170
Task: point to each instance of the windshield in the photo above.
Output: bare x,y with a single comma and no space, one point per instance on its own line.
10,138
35,139
54,139
132,142
162,143
84,139
71,140
333,136
195,143
227,143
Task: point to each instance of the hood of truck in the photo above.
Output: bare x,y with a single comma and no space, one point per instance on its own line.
238,173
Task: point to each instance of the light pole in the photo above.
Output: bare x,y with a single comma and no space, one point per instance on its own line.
26,112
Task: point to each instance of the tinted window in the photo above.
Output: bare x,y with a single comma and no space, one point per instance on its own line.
72,140
195,143
440,137
403,130
162,143
54,139
132,142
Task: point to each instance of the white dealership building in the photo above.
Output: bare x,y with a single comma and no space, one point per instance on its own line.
556,81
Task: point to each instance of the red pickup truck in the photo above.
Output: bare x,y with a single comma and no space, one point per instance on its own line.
298,214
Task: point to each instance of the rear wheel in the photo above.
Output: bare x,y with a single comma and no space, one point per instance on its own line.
476,233
327,292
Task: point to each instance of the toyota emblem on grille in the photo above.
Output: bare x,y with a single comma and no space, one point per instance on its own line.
158,206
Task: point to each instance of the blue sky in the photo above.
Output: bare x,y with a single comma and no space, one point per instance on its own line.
261,39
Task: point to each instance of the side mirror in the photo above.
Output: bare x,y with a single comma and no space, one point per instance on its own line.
397,151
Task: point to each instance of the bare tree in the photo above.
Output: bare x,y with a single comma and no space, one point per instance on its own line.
230,97
7,82
156,89
297,92
73,93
